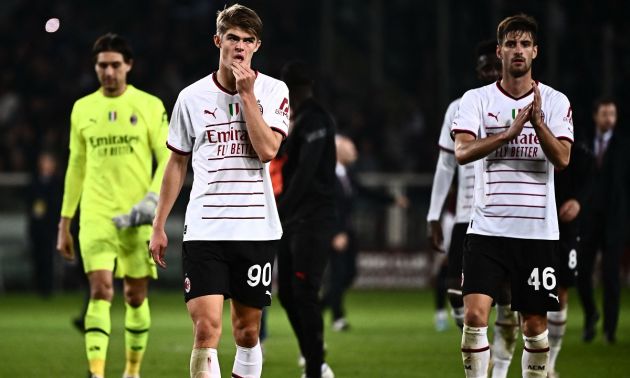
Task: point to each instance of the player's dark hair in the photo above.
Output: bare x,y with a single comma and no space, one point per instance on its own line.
297,74
520,23
601,102
239,16
112,42
487,47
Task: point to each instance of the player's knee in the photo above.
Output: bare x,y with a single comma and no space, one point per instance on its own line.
207,330
134,298
475,317
533,325
102,290
246,335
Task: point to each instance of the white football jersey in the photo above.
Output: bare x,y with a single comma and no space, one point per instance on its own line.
514,185
231,196
465,173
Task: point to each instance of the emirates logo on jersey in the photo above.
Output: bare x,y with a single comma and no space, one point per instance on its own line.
187,285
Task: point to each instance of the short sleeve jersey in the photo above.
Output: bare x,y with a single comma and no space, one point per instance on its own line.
465,173
514,185
231,196
112,144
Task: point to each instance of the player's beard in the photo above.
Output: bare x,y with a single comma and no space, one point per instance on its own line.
519,72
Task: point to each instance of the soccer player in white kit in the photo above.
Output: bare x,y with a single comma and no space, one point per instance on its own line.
232,123
516,131
488,70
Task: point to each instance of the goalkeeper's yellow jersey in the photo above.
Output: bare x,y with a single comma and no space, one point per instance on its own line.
112,144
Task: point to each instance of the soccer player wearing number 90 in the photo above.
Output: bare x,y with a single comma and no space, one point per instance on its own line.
232,123
516,131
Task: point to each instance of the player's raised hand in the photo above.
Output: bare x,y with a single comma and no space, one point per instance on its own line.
245,77
536,113
157,246
65,243
517,125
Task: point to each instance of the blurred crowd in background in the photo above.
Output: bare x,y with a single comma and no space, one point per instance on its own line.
388,69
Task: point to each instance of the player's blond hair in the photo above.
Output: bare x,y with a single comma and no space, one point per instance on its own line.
239,16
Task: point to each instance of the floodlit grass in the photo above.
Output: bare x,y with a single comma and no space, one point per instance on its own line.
392,335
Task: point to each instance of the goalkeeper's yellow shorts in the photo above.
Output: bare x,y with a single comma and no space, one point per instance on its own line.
124,252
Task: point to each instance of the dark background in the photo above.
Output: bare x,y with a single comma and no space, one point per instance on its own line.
388,69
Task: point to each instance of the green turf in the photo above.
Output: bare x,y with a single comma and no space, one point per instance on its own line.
392,335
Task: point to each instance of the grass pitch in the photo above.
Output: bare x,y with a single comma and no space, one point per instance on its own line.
392,335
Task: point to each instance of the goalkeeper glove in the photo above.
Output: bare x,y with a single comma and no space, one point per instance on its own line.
142,213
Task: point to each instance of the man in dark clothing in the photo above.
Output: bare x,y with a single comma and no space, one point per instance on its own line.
45,204
604,220
307,211
573,187
342,268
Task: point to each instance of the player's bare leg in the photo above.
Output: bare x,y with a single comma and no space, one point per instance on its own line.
246,327
475,346
206,314
536,348
137,323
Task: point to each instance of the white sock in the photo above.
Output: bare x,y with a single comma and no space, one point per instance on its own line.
248,362
535,356
556,324
204,363
475,351
504,341
458,315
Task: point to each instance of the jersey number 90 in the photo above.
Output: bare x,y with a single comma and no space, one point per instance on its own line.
256,274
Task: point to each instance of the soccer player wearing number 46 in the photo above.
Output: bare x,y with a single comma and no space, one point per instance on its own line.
232,123
516,131
114,134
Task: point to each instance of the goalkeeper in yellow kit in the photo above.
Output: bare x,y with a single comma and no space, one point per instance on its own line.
115,133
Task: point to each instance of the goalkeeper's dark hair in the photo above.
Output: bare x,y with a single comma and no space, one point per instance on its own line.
487,47
112,42
520,23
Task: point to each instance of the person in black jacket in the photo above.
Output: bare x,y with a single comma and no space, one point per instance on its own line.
45,204
573,186
342,268
604,220
307,211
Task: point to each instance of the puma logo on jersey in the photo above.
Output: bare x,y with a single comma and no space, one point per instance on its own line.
268,293
554,297
496,117
205,111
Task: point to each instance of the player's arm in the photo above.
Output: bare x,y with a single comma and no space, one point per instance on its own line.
444,173
469,149
265,140
172,182
558,151
73,188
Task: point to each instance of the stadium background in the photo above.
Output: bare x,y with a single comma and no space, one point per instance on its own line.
388,70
